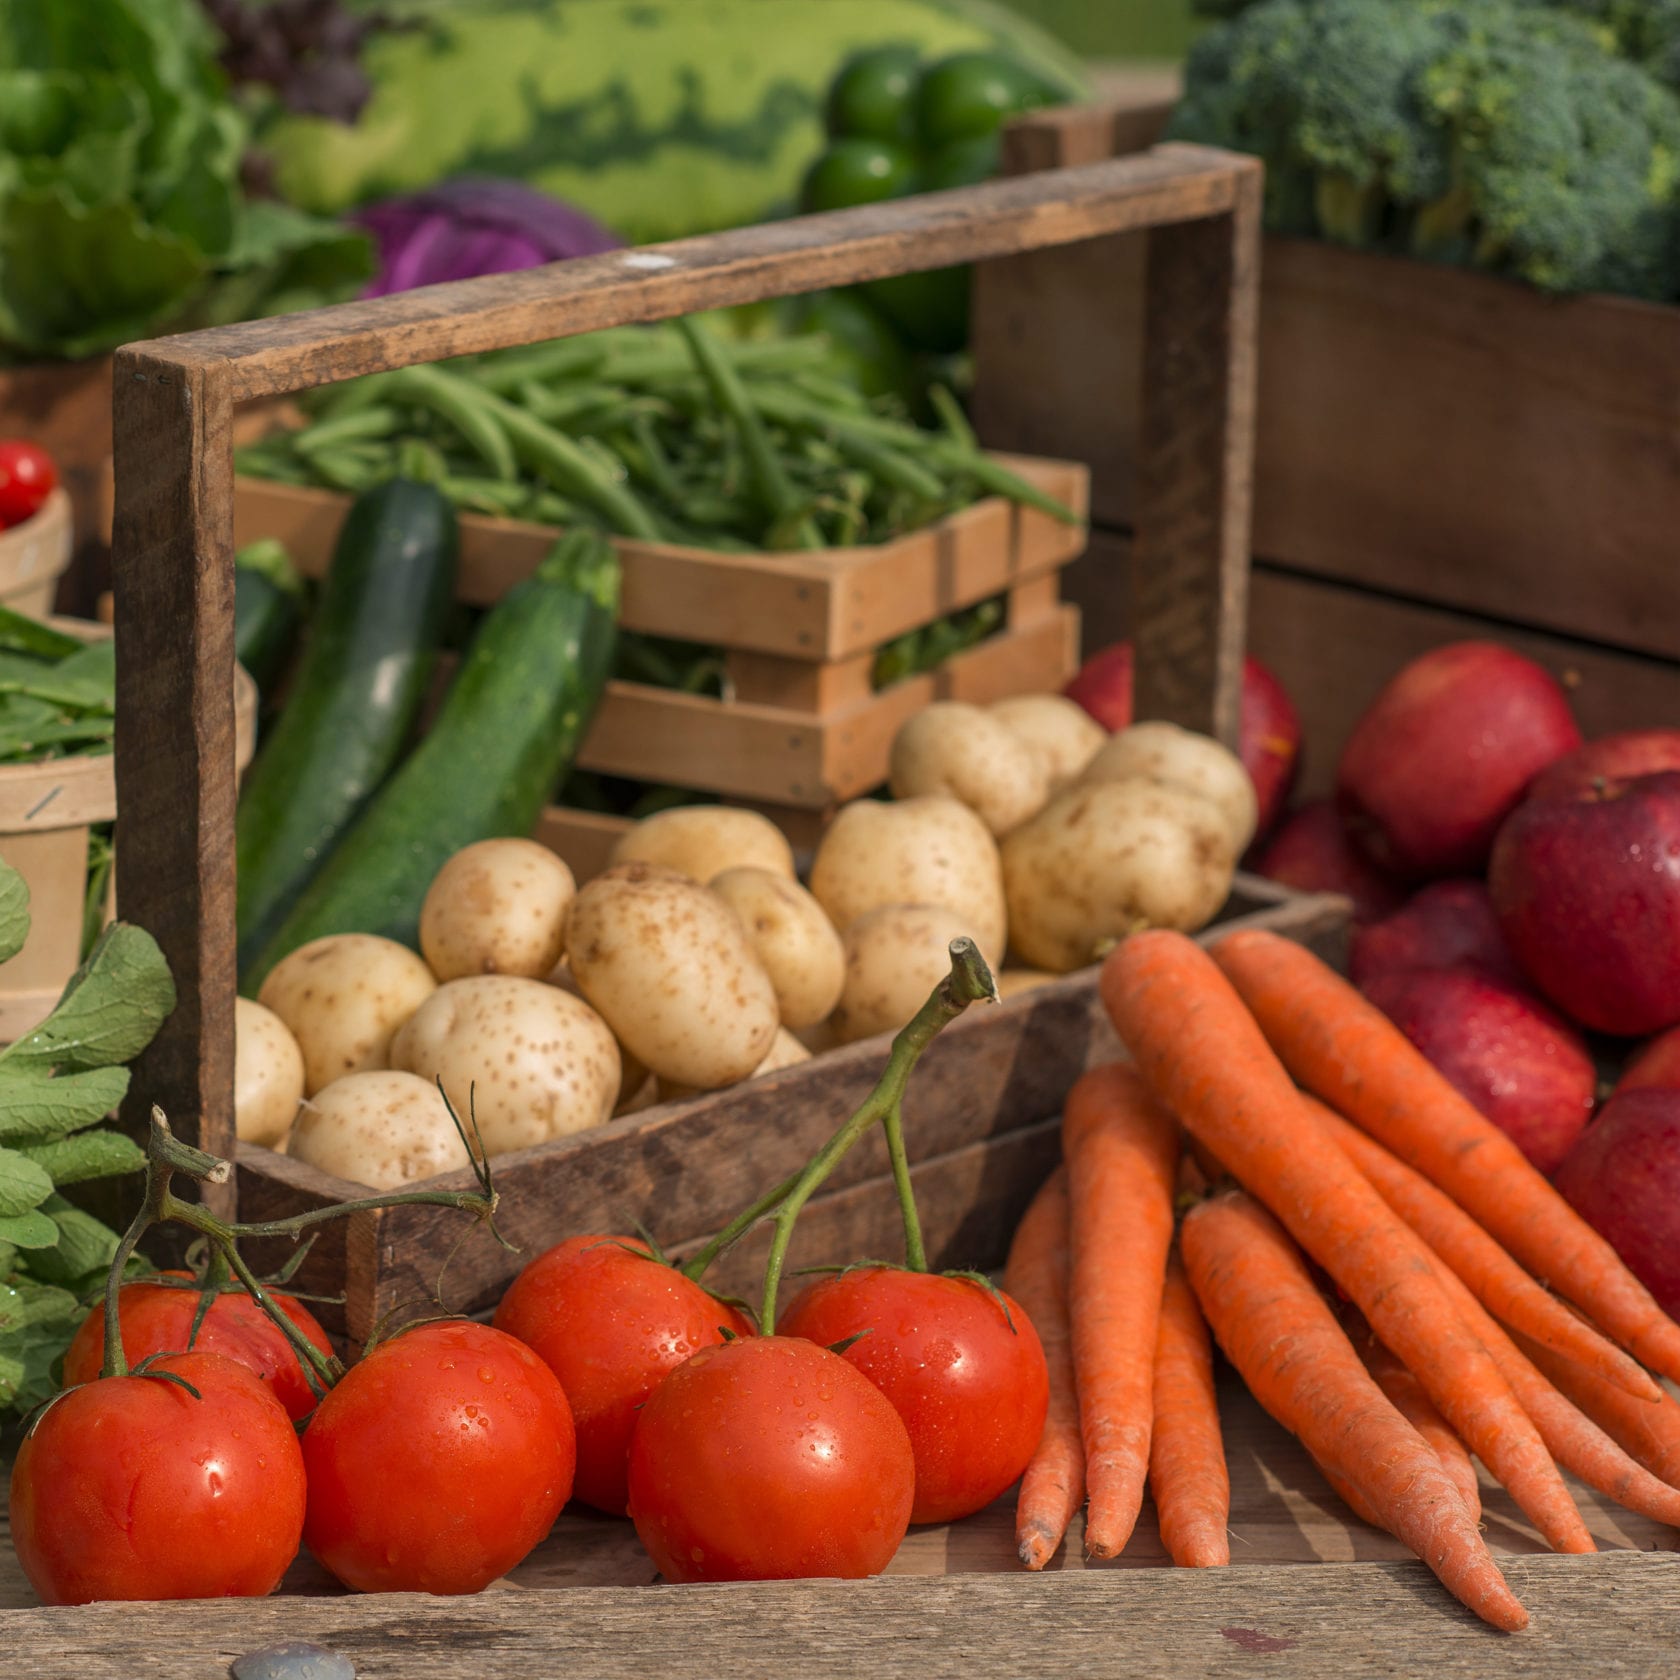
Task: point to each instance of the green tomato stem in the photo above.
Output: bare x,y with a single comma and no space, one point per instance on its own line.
737,1228
970,981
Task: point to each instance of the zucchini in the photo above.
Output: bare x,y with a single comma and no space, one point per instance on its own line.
267,612
505,735
359,687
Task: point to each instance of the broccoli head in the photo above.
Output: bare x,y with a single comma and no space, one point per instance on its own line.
1501,133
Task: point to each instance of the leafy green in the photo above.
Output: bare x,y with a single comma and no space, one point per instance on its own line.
75,1160
24,1184
29,1230
85,1247
37,1321
111,1009
14,913
121,208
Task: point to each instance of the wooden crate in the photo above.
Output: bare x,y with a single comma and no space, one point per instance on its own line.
174,500
1438,454
801,725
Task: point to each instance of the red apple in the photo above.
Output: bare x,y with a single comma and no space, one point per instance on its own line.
1528,1071
1445,925
1655,1065
1270,744
1623,1178
1311,853
1444,752
1611,758
1588,895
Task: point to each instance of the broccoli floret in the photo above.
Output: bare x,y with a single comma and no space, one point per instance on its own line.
1501,133
1647,32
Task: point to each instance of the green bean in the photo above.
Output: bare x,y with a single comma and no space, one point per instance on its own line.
485,495
421,461
952,418
660,473
344,470
543,507
892,467
258,462
378,421
457,401
504,371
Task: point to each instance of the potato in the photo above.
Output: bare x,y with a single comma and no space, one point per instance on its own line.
1063,735
701,841
895,956
1165,753
793,939
384,1129
785,1051
1107,858
497,907
267,1075
633,1076
916,851
1013,981
668,965
953,751
343,997
535,1062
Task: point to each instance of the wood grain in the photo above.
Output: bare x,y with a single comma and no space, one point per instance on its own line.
683,1169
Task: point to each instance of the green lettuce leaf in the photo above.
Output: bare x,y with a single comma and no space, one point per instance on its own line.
24,1184
76,1160
37,1107
32,1230
110,1011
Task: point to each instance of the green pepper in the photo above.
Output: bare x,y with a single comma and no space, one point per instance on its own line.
863,339
874,96
968,96
857,171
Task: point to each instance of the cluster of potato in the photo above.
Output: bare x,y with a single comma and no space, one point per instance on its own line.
699,959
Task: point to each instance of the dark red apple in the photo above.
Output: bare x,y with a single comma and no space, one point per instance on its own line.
1528,1071
1623,1178
1655,1065
1311,852
1588,894
1444,752
1270,744
1611,758
1447,924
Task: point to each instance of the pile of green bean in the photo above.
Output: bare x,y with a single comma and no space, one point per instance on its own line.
667,433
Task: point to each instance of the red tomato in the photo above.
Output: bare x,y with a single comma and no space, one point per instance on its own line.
972,1391
610,1325
130,1488
157,1319
438,1462
766,1460
27,478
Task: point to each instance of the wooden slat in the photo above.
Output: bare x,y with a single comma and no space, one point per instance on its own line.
683,1167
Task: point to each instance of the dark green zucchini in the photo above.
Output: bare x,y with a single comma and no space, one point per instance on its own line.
505,735
360,683
267,612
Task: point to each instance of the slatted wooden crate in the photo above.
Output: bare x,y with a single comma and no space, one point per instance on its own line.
801,726
1438,455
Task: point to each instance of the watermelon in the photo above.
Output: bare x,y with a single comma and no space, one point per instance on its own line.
659,118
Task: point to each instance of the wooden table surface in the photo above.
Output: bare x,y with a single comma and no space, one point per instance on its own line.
1312,1594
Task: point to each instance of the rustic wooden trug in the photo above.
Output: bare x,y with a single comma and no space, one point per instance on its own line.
1439,454
175,401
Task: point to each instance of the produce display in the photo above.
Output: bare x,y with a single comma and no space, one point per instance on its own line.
27,477
1533,138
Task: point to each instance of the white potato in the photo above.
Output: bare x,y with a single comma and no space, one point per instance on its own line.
914,851
267,1074
1060,731
668,965
785,1051
895,955
1165,753
633,1076
701,841
1013,981
955,751
792,937
497,907
534,1062
1105,859
343,997
385,1129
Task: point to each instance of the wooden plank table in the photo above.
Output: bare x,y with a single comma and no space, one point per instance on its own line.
1312,1594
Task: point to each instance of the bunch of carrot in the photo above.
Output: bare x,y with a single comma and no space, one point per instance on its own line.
1483,1316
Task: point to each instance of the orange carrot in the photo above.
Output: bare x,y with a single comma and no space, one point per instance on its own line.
1206,1060
1276,1329
1036,1274
1122,1152
1350,1054
1649,1435
1411,1400
1187,1473
1491,1275
1575,1441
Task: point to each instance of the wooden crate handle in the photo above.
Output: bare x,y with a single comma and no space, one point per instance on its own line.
174,401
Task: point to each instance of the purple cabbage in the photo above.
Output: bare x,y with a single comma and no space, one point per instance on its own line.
474,225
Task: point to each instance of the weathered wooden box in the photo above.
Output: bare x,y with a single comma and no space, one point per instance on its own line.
1438,455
